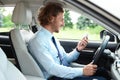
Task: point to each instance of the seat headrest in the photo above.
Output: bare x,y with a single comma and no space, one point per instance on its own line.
3,61
22,14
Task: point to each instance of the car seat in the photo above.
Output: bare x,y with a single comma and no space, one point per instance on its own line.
22,15
7,70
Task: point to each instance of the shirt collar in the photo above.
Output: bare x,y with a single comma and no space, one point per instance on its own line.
45,32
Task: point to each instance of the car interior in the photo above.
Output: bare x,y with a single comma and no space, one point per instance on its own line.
17,63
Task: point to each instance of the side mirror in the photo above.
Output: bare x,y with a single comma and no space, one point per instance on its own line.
104,32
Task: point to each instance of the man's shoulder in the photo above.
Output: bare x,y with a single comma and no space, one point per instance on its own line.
39,37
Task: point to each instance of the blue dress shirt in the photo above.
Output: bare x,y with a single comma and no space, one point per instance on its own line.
45,53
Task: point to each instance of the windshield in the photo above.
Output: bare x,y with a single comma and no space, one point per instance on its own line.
111,6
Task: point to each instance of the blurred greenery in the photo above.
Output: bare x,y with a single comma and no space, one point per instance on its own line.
84,22
7,21
67,20
93,33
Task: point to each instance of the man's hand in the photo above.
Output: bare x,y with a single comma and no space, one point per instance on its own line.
82,44
89,69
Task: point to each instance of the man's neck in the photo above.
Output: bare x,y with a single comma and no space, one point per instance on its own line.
48,27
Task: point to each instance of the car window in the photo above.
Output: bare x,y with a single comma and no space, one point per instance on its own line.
77,26
5,19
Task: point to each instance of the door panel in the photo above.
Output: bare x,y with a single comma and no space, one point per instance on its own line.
5,44
86,55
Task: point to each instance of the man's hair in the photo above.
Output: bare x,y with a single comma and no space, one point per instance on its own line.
49,10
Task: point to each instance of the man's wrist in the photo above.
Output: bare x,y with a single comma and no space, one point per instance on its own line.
77,49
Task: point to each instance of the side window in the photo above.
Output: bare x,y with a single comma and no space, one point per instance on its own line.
77,25
5,19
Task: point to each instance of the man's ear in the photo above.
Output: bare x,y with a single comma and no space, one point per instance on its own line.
52,19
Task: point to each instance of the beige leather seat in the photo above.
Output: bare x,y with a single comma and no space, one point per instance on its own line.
22,17
27,64
7,70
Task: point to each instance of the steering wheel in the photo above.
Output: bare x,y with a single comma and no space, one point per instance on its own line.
100,50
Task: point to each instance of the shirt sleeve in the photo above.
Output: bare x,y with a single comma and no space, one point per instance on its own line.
43,57
72,56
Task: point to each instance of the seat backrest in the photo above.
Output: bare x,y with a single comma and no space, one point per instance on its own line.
7,70
27,64
22,15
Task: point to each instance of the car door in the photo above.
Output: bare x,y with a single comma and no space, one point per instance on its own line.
5,44
86,55
94,35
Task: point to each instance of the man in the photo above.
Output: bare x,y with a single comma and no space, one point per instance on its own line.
50,55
